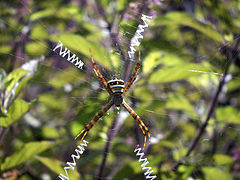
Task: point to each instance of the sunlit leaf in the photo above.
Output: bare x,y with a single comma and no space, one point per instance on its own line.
216,173
16,110
37,48
2,77
52,101
228,114
62,12
184,19
50,132
14,77
17,80
222,159
68,76
121,4
27,152
176,73
79,43
57,167
39,32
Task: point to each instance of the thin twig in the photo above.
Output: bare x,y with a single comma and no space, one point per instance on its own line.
231,55
111,135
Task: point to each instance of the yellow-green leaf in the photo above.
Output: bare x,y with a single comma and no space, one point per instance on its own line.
176,73
222,159
56,166
216,173
79,43
14,77
26,153
228,114
16,110
180,18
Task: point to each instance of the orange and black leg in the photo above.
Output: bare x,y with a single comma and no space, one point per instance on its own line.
132,79
95,119
139,121
99,75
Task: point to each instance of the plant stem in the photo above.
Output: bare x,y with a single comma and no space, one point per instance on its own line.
231,55
111,134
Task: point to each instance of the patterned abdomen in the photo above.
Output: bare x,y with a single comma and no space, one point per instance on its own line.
117,86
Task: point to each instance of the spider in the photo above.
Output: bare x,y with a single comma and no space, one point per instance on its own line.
116,89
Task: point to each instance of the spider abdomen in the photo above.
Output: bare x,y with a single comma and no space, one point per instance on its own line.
117,100
116,86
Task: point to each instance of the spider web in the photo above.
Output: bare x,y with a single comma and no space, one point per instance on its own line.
126,133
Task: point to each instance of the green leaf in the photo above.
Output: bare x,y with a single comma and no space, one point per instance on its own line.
56,166
222,159
49,132
37,48
228,114
179,103
121,4
216,173
66,12
5,49
78,43
152,60
52,101
2,78
130,169
14,77
179,18
176,73
42,14
16,110
39,32
68,76
156,58
25,153
18,79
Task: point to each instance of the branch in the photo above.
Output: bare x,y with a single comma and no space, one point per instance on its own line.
232,54
111,135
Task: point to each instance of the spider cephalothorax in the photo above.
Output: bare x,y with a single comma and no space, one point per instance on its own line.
116,89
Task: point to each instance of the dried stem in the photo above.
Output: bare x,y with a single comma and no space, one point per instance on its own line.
231,54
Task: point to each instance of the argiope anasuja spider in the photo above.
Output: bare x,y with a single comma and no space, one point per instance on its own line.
116,89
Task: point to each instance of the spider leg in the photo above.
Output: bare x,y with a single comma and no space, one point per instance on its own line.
139,121
132,79
99,75
95,119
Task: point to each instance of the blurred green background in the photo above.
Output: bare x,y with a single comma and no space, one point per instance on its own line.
46,101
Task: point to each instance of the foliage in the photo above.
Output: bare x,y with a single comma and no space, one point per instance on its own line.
46,101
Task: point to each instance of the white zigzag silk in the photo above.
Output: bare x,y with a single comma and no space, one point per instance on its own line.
138,35
144,163
72,59
72,165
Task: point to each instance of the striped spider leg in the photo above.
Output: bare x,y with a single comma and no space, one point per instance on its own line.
100,77
116,89
139,121
133,78
95,119
130,110
105,108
